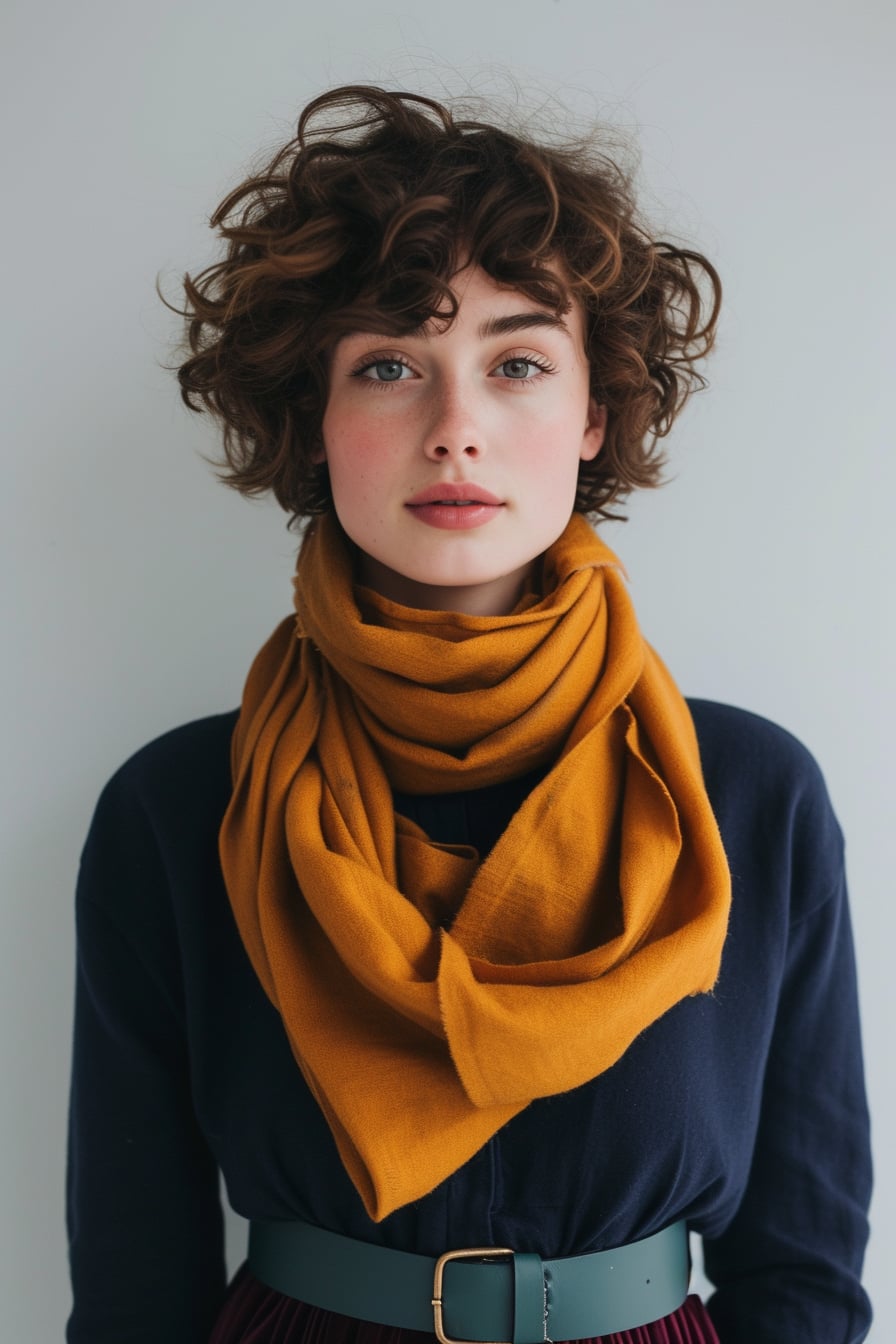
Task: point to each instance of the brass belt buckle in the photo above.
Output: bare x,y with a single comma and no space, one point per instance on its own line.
473,1253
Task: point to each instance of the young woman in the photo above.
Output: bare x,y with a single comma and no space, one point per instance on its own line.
467,933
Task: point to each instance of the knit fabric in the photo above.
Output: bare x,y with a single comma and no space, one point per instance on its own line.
741,1111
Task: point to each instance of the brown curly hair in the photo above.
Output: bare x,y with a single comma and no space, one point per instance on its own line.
361,221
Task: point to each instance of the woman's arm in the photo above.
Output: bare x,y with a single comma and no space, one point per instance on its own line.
787,1267
144,1216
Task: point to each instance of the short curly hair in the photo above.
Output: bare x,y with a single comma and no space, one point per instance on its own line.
361,220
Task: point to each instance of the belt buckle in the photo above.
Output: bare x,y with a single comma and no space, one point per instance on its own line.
472,1253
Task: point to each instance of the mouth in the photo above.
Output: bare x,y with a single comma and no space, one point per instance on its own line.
455,495
454,506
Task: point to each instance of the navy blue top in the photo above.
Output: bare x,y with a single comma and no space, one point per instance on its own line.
742,1111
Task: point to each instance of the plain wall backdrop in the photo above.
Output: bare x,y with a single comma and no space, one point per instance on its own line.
136,589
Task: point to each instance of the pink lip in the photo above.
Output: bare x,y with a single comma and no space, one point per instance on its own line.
450,492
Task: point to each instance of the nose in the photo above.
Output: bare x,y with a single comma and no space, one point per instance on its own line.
453,431
440,451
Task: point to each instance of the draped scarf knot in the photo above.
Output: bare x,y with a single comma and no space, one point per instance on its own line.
603,903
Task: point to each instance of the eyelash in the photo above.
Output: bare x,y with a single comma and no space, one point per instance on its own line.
539,362
370,362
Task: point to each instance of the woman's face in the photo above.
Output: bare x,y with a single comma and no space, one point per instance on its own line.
453,456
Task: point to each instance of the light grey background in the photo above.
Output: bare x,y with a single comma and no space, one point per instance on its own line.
136,589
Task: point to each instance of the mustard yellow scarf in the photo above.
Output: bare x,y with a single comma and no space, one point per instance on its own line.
604,902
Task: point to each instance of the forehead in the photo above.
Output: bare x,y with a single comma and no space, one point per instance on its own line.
485,310
495,306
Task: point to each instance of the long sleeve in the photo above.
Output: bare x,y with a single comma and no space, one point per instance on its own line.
144,1216
787,1267
763,1145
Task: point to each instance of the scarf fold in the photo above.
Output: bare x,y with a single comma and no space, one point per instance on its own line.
603,904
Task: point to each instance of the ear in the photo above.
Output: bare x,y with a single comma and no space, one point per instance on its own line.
319,454
595,431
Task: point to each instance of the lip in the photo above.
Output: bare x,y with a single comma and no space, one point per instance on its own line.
451,492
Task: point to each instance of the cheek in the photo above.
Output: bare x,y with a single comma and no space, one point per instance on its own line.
359,457
549,454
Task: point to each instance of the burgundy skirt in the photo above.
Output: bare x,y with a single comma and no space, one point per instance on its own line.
255,1314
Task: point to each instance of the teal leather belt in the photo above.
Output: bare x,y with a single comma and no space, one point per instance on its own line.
482,1293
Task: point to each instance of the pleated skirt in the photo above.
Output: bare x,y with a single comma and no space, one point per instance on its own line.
255,1314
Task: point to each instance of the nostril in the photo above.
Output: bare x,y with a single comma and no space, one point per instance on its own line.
442,450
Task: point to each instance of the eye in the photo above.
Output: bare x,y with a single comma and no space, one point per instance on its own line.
522,369
384,371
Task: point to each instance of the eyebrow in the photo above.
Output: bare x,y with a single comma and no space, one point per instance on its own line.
492,326
505,326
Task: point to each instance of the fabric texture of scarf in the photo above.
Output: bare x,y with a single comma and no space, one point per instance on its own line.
603,904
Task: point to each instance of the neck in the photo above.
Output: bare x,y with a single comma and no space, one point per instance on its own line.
497,597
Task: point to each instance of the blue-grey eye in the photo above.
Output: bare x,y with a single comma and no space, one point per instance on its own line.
517,368
387,370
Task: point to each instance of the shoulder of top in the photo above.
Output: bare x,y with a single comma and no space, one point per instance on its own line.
771,804
726,726
194,751
737,743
